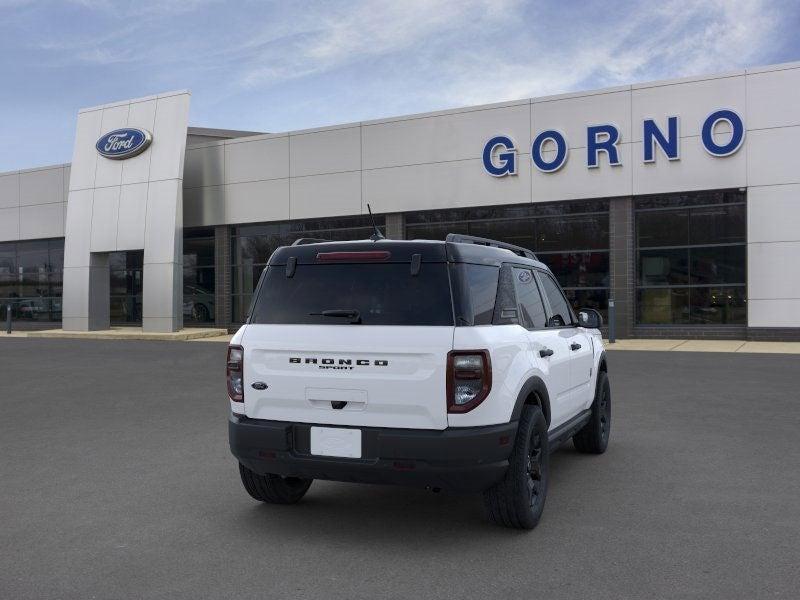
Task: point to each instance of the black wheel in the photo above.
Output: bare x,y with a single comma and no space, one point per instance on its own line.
593,437
273,489
518,500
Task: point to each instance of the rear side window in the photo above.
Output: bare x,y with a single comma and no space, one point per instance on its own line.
529,299
382,294
561,312
475,291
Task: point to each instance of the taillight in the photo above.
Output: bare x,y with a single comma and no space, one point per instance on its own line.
235,373
469,379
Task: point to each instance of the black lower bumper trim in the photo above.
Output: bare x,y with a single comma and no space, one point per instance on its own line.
462,459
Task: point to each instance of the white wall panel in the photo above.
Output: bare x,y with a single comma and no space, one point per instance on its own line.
696,170
773,99
328,151
163,203
169,137
257,160
572,115
773,156
204,166
442,185
75,303
65,177
9,190
84,157
575,180
773,213
43,186
773,313
257,201
79,215
109,171
132,212
772,270
141,115
41,221
325,195
105,217
443,138
204,206
9,224
692,101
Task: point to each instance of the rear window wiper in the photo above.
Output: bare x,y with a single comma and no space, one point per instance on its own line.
347,313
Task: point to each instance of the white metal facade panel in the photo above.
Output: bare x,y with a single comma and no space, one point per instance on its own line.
325,151
325,195
9,190
443,138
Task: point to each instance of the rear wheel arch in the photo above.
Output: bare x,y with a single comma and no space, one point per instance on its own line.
534,391
602,365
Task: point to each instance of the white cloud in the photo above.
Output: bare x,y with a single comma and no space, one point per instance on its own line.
324,39
674,40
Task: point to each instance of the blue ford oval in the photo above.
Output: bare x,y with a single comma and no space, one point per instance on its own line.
123,143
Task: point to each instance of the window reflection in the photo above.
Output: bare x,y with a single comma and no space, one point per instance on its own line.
691,258
31,275
572,238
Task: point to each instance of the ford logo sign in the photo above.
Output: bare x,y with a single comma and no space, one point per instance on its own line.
123,143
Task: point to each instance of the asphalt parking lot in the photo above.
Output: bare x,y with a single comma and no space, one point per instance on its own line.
116,482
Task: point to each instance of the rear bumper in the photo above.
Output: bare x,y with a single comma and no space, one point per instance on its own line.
464,459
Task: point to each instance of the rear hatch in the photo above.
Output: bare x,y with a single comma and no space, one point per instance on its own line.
351,336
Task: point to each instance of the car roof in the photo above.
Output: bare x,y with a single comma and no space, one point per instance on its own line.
402,251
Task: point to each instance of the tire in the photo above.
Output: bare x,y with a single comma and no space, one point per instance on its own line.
593,437
518,500
273,489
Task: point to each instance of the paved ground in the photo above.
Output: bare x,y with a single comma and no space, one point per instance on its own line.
116,482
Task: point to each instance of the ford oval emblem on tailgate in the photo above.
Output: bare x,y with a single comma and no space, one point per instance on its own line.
259,385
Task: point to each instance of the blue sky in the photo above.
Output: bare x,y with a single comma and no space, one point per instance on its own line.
277,66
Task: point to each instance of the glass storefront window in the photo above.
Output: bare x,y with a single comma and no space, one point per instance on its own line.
30,279
572,238
691,259
126,287
199,277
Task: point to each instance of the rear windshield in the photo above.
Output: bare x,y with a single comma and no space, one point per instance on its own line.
382,294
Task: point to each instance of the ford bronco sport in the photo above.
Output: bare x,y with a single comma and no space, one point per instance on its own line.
455,365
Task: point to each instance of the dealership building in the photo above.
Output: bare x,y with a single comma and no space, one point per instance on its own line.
678,201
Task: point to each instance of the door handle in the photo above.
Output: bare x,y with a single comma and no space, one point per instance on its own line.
545,352
575,346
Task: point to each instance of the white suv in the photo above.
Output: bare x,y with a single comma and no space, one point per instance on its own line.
454,365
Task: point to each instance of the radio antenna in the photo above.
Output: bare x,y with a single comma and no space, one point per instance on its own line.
377,235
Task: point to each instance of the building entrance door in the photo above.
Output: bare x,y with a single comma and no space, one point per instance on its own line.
126,287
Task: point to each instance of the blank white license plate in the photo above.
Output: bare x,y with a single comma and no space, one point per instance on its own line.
335,441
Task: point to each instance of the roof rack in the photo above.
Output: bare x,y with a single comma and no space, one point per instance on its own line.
304,241
471,239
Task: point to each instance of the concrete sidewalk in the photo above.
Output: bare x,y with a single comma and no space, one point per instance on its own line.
122,333
705,346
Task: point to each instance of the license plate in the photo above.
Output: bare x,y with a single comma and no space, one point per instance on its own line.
335,441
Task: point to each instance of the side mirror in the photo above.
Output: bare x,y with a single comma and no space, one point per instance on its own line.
590,318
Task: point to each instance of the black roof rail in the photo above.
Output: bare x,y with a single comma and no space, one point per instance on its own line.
304,241
472,239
